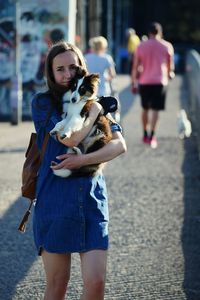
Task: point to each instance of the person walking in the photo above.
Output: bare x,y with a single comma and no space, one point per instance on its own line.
133,41
70,214
99,61
153,67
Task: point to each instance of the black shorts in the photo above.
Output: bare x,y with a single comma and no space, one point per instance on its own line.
153,96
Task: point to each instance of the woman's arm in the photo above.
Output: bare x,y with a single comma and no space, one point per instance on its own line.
113,149
78,136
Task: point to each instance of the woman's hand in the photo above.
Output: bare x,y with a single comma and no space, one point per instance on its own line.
69,161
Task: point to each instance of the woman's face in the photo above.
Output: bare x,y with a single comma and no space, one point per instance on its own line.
64,67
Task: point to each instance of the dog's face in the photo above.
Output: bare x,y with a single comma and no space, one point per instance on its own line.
86,88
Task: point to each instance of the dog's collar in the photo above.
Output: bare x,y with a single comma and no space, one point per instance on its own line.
66,101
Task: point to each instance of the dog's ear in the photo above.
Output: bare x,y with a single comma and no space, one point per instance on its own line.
80,72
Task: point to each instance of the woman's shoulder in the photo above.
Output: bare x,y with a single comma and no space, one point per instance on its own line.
41,101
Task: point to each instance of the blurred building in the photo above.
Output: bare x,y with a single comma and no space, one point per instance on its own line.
27,28
109,18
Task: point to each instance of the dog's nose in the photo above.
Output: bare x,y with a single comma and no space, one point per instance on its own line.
73,100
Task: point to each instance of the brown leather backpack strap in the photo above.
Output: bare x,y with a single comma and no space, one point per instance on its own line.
46,138
22,225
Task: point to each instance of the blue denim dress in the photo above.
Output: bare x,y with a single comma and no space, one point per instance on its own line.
71,214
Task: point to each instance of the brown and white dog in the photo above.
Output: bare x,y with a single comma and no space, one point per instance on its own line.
76,107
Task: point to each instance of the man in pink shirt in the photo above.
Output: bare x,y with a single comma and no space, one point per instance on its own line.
152,69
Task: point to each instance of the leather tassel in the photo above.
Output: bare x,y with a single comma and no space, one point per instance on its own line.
22,225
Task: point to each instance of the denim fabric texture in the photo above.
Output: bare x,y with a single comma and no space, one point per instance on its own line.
71,214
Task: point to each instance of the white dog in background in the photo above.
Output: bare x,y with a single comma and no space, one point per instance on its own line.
184,127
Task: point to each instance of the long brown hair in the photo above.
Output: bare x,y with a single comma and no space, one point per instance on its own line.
56,90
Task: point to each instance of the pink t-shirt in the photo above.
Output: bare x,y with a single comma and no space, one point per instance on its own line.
154,57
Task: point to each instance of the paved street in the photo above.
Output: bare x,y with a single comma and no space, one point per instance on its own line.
154,213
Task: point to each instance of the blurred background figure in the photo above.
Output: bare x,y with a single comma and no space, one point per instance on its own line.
30,57
56,35
133,41
99,61
154,61
7,58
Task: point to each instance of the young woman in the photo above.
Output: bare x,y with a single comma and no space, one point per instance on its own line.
71,214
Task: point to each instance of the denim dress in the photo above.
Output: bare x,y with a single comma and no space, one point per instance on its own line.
70,214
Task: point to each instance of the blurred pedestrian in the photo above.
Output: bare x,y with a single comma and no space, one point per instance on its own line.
152,69
133,41
56,35
99,61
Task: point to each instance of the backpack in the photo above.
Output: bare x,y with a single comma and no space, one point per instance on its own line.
29,173
31,166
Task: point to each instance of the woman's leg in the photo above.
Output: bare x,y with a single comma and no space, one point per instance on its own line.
93,267
57,269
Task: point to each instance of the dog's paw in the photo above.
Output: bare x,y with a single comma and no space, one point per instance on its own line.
62,172
76,150
99,133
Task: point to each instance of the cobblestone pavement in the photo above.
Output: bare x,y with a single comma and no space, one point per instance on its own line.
154,213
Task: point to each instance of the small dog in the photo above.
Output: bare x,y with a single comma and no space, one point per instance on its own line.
76,107
184,127
83,89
